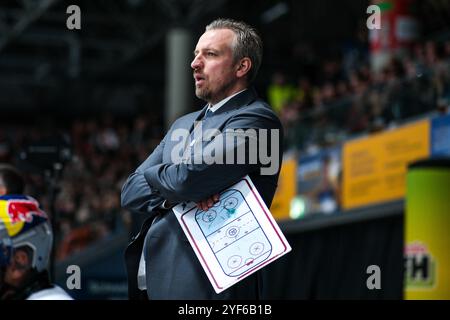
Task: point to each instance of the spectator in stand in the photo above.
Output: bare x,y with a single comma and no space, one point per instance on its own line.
280,92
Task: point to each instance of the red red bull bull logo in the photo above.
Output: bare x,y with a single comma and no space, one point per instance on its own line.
19,212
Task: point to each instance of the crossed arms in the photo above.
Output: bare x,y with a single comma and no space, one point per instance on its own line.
154,181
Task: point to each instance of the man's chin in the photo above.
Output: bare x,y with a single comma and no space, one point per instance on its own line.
202,95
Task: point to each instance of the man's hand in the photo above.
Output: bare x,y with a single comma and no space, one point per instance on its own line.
208,203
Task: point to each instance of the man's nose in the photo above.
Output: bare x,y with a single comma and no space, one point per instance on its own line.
196,63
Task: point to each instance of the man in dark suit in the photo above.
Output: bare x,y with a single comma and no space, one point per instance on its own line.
160,262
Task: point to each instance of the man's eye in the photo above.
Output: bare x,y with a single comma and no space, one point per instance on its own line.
211,54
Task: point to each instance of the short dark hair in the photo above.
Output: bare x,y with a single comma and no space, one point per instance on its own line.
248,43
11,179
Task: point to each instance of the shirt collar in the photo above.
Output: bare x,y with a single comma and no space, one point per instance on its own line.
215,107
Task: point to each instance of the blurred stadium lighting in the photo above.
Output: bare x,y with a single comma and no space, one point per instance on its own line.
274,13
298,207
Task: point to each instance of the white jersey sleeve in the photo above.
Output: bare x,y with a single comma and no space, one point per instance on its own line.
55,293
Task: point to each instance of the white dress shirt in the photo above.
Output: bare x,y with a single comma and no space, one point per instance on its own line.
215,107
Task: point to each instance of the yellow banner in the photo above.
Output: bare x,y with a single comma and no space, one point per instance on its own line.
427,238
286,190
374,168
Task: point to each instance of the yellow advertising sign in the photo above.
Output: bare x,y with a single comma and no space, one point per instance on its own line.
427,256
286,190
374,168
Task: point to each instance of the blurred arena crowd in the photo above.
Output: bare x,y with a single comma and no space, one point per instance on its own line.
105,150
344,97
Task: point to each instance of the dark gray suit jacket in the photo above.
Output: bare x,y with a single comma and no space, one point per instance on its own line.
172,269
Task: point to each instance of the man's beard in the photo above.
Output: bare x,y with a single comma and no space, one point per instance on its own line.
208,95
203,93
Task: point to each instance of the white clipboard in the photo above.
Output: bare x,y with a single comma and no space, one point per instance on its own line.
235,237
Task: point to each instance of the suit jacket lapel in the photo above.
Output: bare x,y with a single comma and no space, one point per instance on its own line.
242,99
199,117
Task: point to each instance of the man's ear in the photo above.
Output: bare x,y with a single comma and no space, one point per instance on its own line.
243,67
